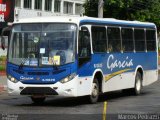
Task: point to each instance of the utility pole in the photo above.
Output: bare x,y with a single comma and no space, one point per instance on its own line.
100,8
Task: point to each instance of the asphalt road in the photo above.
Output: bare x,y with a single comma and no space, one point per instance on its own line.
119,106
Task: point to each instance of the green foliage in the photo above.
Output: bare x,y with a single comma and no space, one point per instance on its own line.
2,68
2,58
141,10
91,8
2,63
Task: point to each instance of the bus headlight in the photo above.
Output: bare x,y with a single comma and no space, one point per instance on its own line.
12,79
68,78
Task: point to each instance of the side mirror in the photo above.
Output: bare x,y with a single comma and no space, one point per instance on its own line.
3,42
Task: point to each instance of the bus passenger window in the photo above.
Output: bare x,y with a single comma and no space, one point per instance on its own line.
127,39
99,39
110,49
114,39
151,40
139,39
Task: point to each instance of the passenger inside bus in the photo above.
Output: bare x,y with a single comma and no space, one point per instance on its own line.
85,50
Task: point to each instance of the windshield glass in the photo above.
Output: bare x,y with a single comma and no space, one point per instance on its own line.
42,44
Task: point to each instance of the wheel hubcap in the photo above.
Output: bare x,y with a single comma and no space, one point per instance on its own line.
94,90
138,85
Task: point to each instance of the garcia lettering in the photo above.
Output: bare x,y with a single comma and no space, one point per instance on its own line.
113,63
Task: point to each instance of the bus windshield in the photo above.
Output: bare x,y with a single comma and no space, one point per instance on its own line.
42,44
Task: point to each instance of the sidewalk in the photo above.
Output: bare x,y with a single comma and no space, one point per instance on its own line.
3,83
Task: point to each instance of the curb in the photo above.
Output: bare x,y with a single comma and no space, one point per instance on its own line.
2,73
3,88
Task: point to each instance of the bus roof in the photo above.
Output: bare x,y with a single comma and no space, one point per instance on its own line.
87,20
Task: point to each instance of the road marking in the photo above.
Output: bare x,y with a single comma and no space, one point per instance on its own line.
105,110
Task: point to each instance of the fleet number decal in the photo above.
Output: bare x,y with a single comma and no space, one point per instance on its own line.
48,80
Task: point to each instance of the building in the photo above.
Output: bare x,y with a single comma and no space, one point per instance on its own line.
33,8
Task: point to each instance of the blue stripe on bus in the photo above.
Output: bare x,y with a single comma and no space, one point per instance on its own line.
110,63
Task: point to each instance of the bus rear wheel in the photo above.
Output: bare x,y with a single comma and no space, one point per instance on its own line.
93,98
138,84
136,90
38,100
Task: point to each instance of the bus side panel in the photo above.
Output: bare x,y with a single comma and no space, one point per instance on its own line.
85,78
84,86
122,81
150,66
120,70
150,76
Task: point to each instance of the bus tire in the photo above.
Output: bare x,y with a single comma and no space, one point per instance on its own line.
93,98
138,84
38,100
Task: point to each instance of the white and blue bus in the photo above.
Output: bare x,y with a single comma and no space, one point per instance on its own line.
80,56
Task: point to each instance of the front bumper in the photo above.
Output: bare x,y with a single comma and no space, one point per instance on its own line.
66,89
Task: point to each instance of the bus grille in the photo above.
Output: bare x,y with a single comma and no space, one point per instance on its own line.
38,91
38,73
18,71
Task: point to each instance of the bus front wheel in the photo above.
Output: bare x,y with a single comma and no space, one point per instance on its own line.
38,100
93,98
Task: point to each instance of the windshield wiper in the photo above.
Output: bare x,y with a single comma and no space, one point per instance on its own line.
55,66
22,63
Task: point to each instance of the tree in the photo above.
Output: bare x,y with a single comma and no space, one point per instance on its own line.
91,8
141,10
